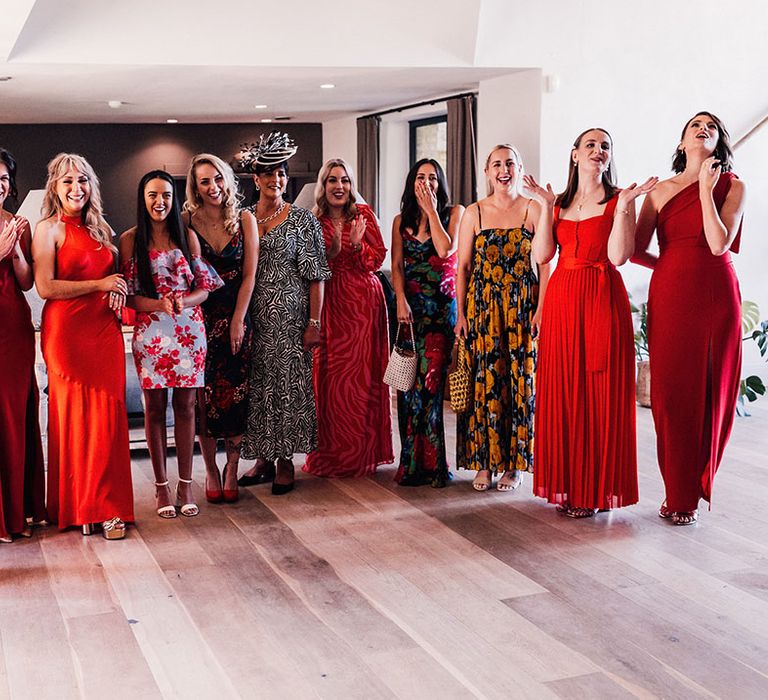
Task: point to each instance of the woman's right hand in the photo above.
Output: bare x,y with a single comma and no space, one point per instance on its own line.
113,283
461,329
9,237
404,314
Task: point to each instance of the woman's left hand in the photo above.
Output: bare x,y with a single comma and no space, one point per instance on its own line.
236,335
116,303
545,197
357,230
709,174
311,337
633,191
536,322
426,198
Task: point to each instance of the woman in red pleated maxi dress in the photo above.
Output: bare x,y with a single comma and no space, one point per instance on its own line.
694,313
584,455
89,463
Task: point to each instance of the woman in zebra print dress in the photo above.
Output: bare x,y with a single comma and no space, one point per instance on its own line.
285,310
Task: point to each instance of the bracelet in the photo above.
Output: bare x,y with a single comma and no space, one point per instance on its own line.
315,323
623,211
357,247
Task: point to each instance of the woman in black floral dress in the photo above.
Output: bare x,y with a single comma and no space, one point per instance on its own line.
229,242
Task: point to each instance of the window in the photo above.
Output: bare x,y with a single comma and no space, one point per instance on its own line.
428,139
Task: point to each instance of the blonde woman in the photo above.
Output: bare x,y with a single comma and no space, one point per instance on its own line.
499,305
229,242
89,464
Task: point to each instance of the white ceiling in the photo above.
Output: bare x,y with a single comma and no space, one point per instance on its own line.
212,61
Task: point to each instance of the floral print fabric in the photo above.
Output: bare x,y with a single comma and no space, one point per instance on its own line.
496,433
169,351
430,288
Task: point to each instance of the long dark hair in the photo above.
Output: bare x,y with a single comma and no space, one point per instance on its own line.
10,162
410,212
565,198
723,152
143,237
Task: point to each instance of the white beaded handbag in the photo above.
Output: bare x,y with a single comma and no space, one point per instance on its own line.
401,368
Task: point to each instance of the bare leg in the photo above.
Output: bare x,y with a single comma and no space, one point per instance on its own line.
155,404
232,445
184,433
208,448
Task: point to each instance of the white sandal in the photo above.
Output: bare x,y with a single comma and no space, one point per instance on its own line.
168,511
484,483
189,510
510,483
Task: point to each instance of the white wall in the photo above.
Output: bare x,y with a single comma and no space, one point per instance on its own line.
509,111
340,139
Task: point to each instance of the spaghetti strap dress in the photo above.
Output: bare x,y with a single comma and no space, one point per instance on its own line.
222,405
585,453
89,461
694,343
430,288
496,432
22,472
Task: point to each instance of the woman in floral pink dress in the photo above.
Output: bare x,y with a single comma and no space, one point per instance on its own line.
167,281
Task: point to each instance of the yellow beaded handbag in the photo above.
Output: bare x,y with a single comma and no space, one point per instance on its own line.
458,380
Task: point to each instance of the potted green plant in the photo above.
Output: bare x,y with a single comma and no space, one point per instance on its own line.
754,329
643,391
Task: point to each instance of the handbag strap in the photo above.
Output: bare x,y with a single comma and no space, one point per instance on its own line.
410,328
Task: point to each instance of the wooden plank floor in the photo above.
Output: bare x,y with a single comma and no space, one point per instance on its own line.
363,589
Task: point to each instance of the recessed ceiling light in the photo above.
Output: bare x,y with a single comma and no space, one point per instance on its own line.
115,104
171,121
283,118
259,106
327,86
5,78
266,121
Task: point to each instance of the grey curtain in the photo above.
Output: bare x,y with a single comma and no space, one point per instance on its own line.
462,149
368,129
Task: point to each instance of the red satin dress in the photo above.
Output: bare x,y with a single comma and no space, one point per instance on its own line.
89,462
585,453
354,419
694,343
22,470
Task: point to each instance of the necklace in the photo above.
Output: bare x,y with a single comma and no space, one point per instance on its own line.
273,215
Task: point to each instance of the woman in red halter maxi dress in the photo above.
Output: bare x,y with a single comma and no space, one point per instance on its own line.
694,313
22,476
584,455
89,467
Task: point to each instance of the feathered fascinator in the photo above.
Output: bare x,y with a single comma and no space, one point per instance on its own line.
272,149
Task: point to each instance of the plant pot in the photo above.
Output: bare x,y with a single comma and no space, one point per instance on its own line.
644,383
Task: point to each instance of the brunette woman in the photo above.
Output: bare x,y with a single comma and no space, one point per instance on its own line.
695,363
353,404
22,485
167,280
424,239
229,242
89,463
286,311
499,296
585,408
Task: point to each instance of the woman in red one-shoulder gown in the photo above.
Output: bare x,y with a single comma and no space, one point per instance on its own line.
22,476
584,455
694,313
89,465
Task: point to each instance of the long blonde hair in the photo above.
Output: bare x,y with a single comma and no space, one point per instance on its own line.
520,167
321,201
232,196
93,215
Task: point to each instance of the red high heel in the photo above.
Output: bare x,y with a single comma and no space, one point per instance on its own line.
229,495
214,495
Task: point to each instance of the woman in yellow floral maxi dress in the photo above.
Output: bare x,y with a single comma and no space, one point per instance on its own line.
499,301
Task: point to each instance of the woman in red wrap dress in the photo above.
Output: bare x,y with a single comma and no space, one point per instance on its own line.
585,452
354,431
89,462
694,313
